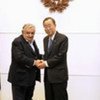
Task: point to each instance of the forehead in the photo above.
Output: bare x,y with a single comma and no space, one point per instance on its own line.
49,21
29,29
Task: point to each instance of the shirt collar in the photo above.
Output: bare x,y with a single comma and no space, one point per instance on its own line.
30,42
52,37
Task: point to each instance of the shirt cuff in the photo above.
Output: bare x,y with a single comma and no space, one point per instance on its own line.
46,63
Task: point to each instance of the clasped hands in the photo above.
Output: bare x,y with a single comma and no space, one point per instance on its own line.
40,64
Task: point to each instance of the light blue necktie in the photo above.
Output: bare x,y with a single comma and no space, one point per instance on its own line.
49,43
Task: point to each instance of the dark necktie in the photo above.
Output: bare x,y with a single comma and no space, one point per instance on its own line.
32,46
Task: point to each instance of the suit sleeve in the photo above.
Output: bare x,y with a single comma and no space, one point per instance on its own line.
60,56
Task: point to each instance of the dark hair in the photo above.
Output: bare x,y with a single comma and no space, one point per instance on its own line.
47,18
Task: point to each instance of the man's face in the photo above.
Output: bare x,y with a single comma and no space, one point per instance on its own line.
49,27
28,34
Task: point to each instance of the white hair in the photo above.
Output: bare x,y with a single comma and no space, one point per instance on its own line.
27,26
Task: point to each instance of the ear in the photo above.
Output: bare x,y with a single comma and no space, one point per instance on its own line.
22,31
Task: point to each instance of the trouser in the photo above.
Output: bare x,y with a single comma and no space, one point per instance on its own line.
22,92
56,91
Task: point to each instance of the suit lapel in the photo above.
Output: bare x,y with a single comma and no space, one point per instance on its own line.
46,46
36,48
28,46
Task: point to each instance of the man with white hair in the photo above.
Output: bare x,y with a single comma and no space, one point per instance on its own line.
23,73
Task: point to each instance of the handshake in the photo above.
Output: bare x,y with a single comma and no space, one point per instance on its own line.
40,64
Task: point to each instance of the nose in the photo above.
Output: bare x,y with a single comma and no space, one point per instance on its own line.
31,34
48,28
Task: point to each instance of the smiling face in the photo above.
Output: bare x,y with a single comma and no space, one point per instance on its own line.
49,27
28,32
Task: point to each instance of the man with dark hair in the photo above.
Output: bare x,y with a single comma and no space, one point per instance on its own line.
55,62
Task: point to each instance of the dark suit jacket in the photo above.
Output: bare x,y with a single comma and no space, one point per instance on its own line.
22,72
57,72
